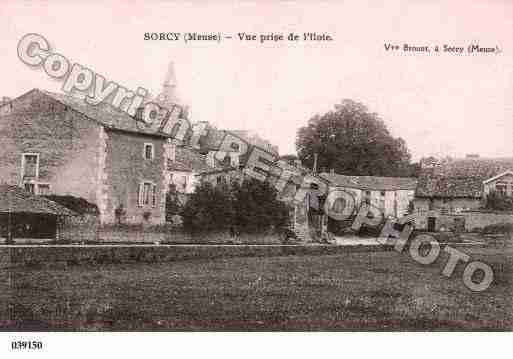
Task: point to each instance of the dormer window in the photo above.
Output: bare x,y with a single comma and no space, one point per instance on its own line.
149,152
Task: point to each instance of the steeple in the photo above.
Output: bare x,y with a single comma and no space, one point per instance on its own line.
168,96
170,80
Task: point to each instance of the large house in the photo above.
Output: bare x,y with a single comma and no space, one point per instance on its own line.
391,195
450,189
58,144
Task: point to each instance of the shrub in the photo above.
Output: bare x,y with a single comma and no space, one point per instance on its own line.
208,209
76,204
173,205
257,209
501,228
499,202
120,213
250,207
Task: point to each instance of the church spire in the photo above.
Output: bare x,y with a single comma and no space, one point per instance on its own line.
168,97
170,80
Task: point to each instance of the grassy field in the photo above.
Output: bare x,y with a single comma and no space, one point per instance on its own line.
354,291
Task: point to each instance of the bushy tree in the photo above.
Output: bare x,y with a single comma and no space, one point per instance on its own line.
256,207
173,205
499,202
208,209
250,207
352,140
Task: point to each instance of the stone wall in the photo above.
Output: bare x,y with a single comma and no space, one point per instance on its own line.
84,228
63,256
433,207
473,219
125,169
65,141
481,219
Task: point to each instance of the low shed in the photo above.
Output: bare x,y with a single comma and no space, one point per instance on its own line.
24,215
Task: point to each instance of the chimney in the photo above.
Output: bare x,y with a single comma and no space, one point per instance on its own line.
332,171
314,169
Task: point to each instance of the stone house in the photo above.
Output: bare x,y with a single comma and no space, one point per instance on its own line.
58,144
450,194
391,195
185,168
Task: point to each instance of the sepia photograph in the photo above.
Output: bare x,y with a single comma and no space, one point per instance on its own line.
240,166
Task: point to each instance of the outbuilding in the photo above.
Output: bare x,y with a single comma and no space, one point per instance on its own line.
24,215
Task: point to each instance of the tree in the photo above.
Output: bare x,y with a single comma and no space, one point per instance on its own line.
250,207
353,141
173,205
499,202
256,207
208,209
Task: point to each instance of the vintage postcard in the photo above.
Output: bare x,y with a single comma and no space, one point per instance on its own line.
214,166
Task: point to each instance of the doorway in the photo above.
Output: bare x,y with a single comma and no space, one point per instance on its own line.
431,224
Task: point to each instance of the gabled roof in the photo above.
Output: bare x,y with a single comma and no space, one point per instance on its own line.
371,182
461,178
189,160
455,187
498,176
16,200
104,113
178,166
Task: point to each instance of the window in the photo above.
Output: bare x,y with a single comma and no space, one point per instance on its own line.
30,165
43,189
184,183
367,199
148,151
500,187
147,194
30,187
382,193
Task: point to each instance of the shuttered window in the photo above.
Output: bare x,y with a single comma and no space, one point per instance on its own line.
147,194
30,165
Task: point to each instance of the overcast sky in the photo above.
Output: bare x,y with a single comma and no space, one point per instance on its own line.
440,104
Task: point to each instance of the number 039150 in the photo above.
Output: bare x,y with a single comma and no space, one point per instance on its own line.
26,345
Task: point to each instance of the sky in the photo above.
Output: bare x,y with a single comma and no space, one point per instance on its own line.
441,104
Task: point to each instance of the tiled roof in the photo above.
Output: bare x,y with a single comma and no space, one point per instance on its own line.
371,182
178,166
460,177
189,160
16,200
255,140
104,113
